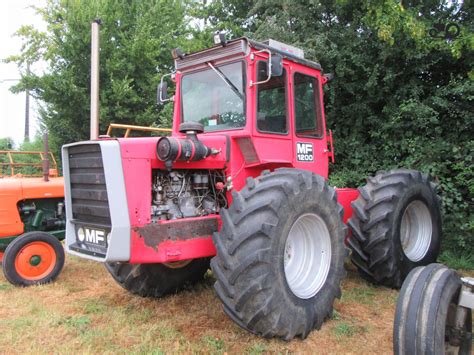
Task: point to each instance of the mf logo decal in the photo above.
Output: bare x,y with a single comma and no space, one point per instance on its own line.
91,235
304,151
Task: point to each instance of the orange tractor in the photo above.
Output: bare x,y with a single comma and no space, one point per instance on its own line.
32,218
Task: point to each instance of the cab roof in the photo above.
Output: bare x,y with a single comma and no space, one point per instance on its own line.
233,48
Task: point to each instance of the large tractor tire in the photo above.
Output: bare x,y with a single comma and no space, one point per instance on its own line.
157,280
280,254
426,314
34,258
396,226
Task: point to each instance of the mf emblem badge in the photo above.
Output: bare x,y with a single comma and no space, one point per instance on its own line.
304,151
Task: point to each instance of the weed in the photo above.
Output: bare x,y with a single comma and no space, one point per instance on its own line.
343,330
257,348
94,306
216,344
346,330
5,286
464,262
335,315
167,332
364,295
75,322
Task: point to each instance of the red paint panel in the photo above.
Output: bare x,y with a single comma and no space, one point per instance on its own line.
137,174
169,251
345,196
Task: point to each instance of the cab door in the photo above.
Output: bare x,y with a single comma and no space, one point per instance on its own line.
308,129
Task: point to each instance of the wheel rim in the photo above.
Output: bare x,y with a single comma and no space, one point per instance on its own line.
416,230
35,261
307,257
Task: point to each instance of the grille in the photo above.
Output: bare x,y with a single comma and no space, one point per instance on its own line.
88,190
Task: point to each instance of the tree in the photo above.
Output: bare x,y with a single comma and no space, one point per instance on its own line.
136,40
400,98
6,144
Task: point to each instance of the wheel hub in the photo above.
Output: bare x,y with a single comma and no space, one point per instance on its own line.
35,260
307,255
416,230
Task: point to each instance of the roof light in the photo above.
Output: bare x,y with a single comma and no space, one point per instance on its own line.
219,38
297,52
177,53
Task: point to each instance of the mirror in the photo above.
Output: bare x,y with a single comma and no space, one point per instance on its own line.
162,92
277,65
328,77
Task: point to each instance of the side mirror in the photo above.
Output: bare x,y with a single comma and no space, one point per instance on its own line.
327,78
277,65
162,92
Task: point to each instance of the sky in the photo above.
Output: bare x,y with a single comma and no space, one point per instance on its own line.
14,14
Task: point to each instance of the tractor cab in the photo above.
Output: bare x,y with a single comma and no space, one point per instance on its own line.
265,96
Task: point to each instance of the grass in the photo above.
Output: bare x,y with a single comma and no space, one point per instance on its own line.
345,330
85,311
365,294
462,262
217,345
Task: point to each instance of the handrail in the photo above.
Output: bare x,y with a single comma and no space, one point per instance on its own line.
130,128
10,154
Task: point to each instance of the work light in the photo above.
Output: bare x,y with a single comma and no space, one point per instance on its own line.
219,38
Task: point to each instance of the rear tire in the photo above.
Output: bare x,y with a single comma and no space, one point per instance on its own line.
425,314
280,254
396,226
33,258
157,280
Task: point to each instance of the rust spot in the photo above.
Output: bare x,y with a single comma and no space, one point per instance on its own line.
156,233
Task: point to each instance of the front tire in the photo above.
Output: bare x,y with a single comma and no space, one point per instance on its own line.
396,226
280,254
34,258
425,317
158,280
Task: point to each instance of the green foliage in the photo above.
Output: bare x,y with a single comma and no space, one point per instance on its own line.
34,160
343,330
215,344
136,40
459,262
6,143
400,98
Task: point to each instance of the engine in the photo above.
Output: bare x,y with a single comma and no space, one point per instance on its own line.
187,193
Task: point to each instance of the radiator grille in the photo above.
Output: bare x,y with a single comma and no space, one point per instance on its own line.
88,189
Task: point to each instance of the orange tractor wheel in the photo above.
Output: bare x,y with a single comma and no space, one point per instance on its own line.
33,258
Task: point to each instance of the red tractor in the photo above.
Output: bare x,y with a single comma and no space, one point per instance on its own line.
242,180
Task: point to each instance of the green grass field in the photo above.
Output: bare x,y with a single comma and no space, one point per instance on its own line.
84,311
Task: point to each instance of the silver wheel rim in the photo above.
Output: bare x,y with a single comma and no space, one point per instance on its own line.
416,230
307,257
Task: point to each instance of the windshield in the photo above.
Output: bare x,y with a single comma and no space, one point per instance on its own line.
215,97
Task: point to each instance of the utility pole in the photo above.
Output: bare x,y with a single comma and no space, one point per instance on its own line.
27,108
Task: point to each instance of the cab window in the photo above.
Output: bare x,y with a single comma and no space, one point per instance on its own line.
307,106
271,102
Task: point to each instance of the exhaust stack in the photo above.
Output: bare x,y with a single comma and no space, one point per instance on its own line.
45,158
95,45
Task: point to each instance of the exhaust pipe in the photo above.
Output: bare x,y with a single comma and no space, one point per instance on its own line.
45,157
95,45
